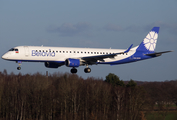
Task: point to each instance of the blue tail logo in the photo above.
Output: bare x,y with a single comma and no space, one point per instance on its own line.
149,42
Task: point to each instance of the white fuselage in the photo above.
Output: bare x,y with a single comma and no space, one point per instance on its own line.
44,54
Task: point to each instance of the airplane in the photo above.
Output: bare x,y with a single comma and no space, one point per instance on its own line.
54,57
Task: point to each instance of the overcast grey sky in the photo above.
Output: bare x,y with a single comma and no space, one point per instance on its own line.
92,24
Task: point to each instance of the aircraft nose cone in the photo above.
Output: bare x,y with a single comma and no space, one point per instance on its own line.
4,56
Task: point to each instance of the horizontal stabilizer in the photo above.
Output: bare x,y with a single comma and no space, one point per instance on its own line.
156,54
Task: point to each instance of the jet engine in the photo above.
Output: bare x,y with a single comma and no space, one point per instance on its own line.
72,62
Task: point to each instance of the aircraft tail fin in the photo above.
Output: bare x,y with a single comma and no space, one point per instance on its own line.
149,43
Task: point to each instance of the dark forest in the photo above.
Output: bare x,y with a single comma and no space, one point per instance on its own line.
65,96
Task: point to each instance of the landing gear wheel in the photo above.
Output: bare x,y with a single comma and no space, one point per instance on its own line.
87,70
73,70
18,68
19,64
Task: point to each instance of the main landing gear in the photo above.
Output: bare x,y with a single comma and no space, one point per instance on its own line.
86,70
19,68
19,64
73,70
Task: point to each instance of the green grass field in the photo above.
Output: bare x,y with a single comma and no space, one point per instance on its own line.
172,115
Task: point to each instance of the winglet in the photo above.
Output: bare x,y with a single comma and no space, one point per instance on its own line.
128,48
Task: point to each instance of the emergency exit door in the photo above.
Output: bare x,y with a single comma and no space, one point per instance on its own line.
26,51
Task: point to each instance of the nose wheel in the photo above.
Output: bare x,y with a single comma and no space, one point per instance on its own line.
19,64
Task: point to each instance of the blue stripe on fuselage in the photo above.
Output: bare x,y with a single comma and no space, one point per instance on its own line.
135,57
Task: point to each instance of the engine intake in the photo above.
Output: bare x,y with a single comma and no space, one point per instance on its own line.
72,62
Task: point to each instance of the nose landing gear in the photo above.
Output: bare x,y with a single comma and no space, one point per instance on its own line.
19,64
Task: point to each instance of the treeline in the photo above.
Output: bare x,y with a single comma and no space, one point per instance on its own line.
70,97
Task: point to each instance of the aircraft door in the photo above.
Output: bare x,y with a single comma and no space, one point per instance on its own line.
26,51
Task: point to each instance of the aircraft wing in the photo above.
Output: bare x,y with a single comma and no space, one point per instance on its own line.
156,54
94,59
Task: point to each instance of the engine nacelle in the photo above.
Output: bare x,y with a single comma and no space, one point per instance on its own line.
51,65
72,62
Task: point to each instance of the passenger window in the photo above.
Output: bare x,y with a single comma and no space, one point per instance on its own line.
39,50
46,51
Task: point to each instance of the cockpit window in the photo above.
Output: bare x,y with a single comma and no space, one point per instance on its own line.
12,49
